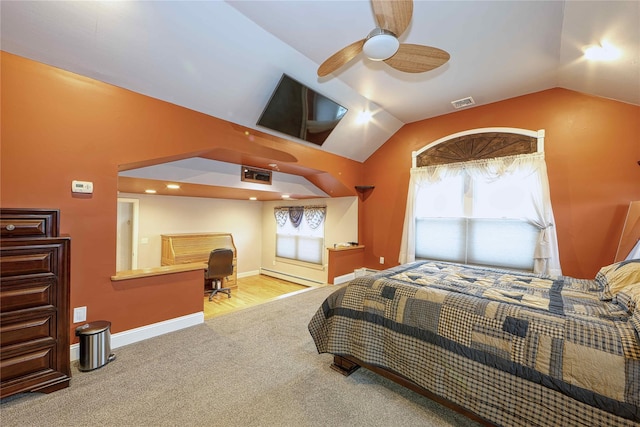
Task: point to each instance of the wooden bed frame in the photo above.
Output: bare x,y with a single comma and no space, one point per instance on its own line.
463,146
346,365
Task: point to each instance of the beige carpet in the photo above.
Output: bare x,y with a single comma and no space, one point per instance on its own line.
255,367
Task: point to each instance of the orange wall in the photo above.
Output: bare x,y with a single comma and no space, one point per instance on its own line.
58,126
592,148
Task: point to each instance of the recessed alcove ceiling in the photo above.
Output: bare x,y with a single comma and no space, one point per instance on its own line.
224,58
203,177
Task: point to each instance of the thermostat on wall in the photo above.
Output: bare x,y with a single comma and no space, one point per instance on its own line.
81,187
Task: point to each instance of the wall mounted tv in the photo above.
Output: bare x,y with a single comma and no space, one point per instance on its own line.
298,111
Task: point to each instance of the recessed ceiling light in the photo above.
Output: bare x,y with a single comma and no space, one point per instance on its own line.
173,186
605,51
285,196
364,116
253,198
150,191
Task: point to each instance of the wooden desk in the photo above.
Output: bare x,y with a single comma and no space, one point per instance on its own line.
191,248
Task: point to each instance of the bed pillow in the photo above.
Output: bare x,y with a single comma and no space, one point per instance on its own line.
615,277
635,321
629,298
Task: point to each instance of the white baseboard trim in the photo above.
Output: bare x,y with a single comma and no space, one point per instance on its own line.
145,332
249,273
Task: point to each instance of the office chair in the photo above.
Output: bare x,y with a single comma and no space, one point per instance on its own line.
220,266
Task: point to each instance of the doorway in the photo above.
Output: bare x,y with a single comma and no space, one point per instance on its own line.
127,235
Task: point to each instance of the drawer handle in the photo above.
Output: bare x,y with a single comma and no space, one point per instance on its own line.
11,227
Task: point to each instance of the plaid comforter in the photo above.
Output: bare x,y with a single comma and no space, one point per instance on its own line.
553,333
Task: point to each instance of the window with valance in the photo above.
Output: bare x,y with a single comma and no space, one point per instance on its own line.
491,211
300,233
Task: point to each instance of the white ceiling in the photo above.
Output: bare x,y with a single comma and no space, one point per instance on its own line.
206,172
224,58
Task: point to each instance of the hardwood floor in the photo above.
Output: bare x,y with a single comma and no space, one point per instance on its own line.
251,290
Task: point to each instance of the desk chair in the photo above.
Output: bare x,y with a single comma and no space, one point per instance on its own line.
220,266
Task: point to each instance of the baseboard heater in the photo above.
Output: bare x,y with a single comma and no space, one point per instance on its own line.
290,277
359,272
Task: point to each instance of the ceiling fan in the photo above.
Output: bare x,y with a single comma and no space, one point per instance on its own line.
392,19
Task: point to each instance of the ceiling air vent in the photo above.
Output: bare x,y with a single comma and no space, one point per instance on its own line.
260,176
464,102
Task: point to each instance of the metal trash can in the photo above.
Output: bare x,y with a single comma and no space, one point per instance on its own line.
95,345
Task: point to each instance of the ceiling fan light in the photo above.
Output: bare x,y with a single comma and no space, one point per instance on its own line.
380,45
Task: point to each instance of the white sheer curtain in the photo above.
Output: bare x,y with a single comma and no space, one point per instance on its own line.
505,187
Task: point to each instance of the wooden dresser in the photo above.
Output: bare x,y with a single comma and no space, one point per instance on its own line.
196,247
34,302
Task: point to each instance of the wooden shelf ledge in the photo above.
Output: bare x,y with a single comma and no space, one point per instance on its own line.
364,191
363,188
345,248
157,271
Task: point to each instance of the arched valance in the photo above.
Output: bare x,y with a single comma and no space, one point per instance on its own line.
479,144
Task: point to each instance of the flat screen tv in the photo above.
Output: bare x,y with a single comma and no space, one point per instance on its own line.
298,111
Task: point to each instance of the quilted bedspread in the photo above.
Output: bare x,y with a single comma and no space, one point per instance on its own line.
553,332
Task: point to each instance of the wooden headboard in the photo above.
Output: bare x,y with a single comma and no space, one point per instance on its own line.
630,231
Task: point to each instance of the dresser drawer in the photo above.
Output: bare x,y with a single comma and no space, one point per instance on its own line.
31,363
27,293
28,261
29,223
36,330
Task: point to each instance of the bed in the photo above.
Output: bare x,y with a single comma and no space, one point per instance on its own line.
505,348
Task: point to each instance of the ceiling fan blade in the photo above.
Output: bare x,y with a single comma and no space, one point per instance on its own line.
394,16
415,58
340,58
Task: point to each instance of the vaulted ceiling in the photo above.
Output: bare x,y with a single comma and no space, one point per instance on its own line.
224,58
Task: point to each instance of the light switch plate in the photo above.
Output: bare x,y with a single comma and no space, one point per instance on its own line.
79,314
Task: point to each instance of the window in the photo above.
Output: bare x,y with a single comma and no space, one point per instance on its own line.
505,242
477,218
300,233
487,212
